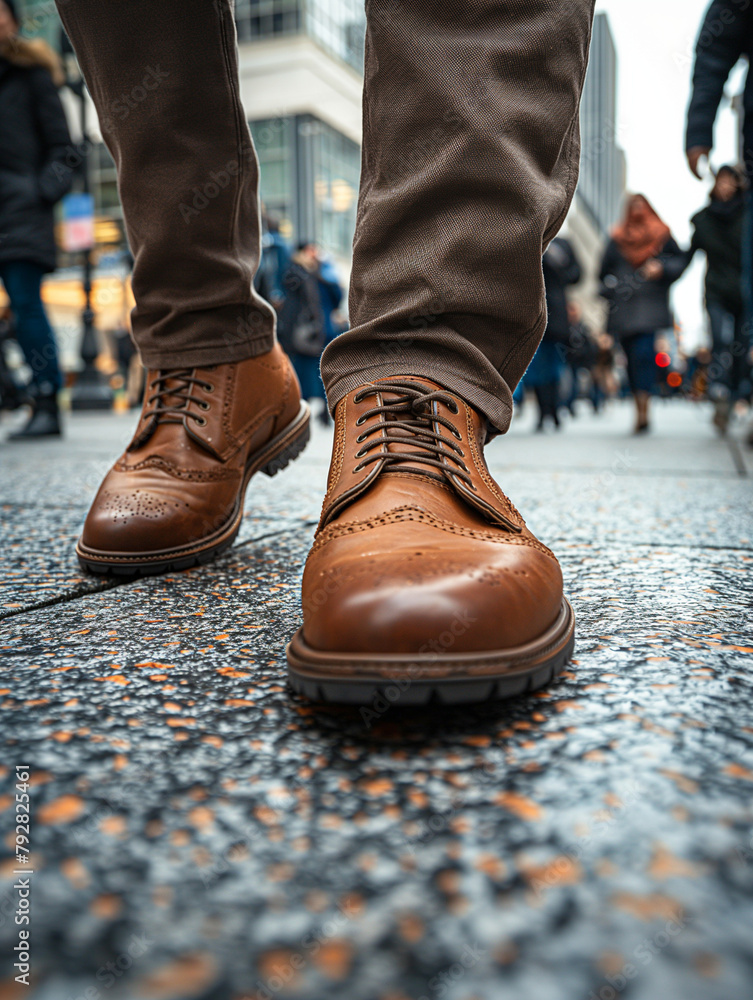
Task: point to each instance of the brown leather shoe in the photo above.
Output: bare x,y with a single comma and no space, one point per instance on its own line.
175,498
423,582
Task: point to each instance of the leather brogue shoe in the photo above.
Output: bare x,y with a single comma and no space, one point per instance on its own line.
423,583
175,497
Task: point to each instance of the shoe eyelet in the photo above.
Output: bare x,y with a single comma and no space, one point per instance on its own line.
360,454
457,434
360,439
360,422
455,408
201,421
204,405
208,387
358,468
358,397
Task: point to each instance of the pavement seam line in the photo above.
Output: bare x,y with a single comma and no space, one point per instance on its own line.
115,583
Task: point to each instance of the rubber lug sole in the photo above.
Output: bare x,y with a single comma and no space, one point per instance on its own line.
405,681
273,458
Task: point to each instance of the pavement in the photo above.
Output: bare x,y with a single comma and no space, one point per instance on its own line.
198,832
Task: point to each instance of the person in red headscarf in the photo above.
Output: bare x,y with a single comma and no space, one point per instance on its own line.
640,263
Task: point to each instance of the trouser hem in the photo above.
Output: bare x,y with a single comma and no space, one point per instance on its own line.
497,408
208,355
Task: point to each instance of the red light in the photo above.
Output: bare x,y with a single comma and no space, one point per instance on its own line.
663,360
674,379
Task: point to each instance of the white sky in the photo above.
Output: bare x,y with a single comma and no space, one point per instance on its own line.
655,40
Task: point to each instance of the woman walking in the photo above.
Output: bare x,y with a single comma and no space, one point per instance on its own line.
640,263
34,139
301,326
717,231
561,269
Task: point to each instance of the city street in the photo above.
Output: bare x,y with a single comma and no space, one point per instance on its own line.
199,833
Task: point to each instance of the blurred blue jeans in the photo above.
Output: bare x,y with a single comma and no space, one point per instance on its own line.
23,280
730,345
641,361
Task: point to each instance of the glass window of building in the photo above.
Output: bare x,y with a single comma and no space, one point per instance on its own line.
336,162
337,25
256,19
274,139
309,176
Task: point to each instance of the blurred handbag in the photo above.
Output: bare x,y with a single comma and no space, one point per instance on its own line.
308,339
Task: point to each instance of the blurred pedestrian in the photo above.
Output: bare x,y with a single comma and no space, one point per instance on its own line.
718,231
640,263
330,297
11,394
561,269
580,356
301,323
275,260
726,36
34,140
603,373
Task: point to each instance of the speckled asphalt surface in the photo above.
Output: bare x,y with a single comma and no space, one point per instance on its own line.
198,833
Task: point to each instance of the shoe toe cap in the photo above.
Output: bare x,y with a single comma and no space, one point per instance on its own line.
151,516
484,598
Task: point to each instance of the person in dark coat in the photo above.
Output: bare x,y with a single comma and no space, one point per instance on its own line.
34,140
330,297
561,269
275,260
580,355
301,322
718,232
726,36
640,263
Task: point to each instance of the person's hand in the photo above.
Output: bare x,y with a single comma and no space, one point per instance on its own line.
694,155
652,270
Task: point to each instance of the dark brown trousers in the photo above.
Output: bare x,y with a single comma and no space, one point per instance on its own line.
470,159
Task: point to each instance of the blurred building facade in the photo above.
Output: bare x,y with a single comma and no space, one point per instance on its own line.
301,81
601,185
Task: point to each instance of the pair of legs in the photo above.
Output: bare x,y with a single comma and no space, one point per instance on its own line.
470,159
22,280
730,367
548,398
641,371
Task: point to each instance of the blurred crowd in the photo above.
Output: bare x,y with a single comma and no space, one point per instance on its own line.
629,346
638,350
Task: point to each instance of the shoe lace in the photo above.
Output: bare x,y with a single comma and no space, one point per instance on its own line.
168,403
410,420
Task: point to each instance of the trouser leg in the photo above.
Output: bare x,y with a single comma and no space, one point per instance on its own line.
723,336
469,163
163,75
22,280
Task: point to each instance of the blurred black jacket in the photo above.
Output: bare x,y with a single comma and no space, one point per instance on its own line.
718,232
726,36
34,141
561,268
635,304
